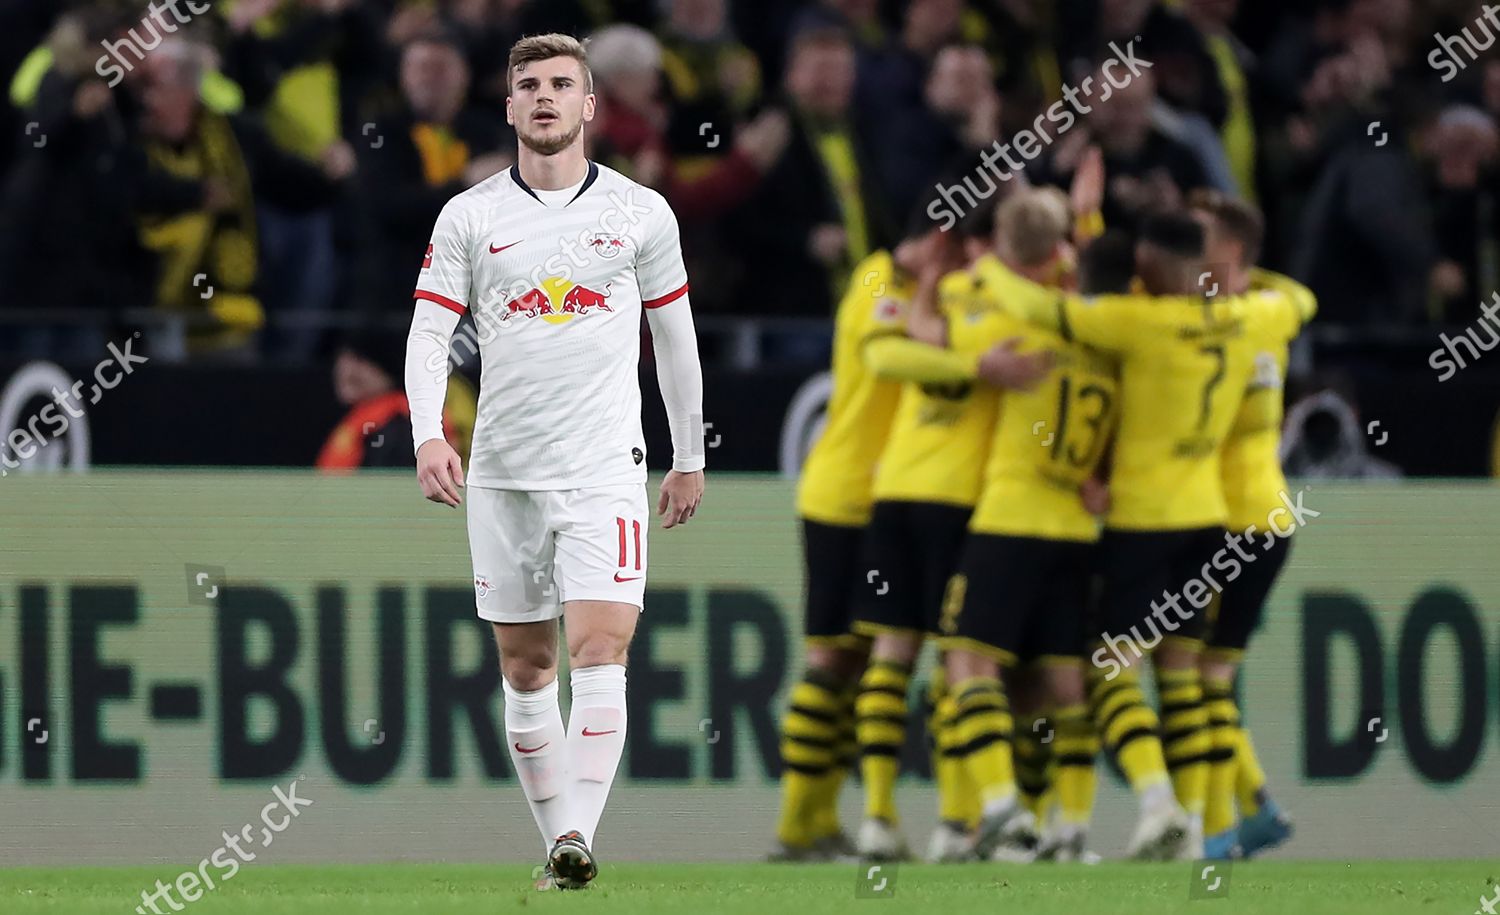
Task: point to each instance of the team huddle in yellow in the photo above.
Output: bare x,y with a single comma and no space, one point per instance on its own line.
1039,434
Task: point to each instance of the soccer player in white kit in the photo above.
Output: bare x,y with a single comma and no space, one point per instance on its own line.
556,258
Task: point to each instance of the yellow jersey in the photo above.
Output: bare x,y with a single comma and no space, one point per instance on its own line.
941,434
1047,441
1251,460
1185,364
835,487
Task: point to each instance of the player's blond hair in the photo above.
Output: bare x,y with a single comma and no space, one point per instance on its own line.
1030,224
533,48
1236,218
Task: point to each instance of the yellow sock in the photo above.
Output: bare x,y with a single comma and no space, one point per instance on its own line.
1031,757
824,817
880,723
1127,727
984,731
809,734
1049,798
972,808
1223,719
1185,737
957,802
1249,777
1073,751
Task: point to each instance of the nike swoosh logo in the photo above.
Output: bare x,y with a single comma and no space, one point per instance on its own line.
495,250
622,580
521,749
588,733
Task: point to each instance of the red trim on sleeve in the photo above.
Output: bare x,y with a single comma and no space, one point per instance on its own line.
667,299
456,307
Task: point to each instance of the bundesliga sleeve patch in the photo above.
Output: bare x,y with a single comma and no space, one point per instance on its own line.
427,261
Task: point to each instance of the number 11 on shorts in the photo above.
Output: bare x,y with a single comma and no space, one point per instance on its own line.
629,547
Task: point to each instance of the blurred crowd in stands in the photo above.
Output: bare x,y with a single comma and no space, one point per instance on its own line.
259,165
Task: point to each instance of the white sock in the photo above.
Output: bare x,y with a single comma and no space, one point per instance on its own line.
998,805
539,750
1157,795
596,738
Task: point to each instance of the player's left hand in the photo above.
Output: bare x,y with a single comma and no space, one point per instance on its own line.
680,495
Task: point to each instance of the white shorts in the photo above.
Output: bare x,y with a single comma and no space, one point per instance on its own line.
534,551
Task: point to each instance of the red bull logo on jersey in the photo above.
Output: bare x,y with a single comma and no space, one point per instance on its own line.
606,245
556,301
580,299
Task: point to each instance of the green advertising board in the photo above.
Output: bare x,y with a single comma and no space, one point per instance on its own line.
175,644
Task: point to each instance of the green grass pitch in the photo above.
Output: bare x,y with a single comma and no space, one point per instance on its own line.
1251,888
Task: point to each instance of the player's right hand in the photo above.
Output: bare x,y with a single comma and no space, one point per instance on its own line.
1095,495
1002,367
440,472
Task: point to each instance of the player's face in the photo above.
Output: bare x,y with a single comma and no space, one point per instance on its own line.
549,103
1223,255
1165,273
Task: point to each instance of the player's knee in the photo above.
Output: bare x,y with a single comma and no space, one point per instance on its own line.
1064,686
529,667
843,663
822,657
1176,655
965,665
899,647
1217,667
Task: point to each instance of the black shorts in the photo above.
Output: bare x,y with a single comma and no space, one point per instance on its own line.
1242,603
1142,568
833,554
1024,598
912,549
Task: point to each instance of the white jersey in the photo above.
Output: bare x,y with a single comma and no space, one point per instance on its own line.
557,290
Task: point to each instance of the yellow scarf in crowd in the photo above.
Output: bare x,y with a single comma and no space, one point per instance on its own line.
208,260
444,156
835,148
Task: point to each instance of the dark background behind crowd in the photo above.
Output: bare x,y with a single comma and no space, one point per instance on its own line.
251,185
